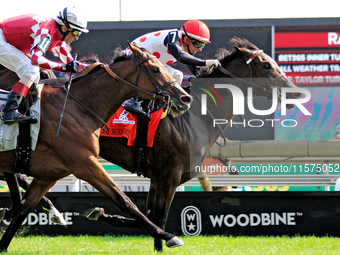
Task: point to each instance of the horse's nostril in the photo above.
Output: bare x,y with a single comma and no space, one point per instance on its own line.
186,99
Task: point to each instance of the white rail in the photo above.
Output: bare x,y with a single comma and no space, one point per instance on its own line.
217,180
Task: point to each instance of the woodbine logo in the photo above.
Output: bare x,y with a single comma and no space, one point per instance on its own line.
239,102
191,220
254,219
44,219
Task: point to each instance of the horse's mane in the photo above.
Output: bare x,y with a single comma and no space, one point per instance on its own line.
120,54
224,55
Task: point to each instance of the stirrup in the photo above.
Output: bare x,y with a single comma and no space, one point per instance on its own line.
14,116
134,107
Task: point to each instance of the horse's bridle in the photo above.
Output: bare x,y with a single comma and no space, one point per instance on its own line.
164,97
252,66
160,89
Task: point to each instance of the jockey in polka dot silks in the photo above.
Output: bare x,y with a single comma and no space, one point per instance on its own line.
35,35
173,45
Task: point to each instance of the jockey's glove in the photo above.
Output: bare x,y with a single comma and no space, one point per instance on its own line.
212,63
70,67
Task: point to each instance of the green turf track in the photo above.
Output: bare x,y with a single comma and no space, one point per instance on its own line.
193,245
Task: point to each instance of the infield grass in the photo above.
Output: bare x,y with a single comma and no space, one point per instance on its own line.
193,245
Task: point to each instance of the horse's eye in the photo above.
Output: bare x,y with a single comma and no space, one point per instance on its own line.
155,70
267,66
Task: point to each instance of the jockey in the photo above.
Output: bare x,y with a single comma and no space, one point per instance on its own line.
173,45
35,35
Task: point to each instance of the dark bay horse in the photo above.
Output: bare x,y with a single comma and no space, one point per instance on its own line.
76,149
183,142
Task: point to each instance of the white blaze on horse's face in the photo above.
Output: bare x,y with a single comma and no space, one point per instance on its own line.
276,66
177,86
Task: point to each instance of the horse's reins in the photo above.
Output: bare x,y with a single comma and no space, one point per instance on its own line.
165,98
252,65
154,95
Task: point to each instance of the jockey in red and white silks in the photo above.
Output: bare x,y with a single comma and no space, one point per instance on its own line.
35,35
173,45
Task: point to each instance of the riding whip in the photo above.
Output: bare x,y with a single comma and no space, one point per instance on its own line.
67,91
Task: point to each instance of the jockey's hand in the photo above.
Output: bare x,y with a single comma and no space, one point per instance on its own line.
70,67
212,63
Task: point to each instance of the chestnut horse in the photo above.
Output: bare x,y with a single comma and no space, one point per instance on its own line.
95,98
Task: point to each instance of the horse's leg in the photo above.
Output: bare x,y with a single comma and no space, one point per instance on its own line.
114,220
204,181
13,186
161,194
34,193
100,180
45,203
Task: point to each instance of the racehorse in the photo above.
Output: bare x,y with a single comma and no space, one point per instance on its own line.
183,142
95,98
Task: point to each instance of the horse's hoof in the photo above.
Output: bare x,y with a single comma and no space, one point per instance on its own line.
174,242
95,213
59,220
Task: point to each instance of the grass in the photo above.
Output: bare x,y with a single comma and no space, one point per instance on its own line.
207,245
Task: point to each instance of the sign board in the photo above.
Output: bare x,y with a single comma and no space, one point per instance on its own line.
200,213
309,55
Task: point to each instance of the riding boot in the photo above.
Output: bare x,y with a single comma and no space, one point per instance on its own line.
134,107
11,113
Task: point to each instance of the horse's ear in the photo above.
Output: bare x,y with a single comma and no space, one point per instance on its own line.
237,49
135,49
129,44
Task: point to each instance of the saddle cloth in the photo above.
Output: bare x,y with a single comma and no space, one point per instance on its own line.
122,124
9,133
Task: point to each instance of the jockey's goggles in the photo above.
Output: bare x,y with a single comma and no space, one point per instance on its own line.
196,43
74,32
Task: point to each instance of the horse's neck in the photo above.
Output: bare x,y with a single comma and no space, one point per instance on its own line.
103,96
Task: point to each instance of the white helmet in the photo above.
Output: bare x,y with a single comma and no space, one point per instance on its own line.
69,17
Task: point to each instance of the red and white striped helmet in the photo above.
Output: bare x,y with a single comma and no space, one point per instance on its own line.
197,30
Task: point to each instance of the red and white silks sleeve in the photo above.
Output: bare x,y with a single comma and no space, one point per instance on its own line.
38,59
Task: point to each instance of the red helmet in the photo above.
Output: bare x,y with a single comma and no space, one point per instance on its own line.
197,30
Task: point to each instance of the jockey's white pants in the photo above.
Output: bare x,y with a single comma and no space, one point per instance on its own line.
176,74
15,60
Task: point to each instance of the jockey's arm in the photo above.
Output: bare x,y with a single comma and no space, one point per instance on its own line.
39,59
183,57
